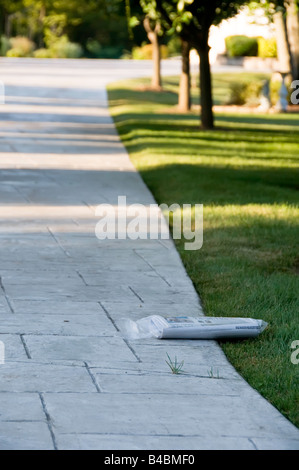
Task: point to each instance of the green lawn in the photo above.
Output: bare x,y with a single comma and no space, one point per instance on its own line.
246,174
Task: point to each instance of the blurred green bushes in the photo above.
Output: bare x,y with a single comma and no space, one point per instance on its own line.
249,92
21,46
244,46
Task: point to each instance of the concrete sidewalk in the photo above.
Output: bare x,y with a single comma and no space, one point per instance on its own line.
70,381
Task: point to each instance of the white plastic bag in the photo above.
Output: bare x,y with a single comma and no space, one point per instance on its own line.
147,327
184,327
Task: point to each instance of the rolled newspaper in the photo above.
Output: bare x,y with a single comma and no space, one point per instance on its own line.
185,327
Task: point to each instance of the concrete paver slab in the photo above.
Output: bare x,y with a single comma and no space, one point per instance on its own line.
158,414
30,376
77,348
25,435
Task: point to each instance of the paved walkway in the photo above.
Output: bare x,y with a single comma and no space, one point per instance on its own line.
70,381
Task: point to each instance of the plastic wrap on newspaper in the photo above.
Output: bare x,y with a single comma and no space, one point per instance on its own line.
185,327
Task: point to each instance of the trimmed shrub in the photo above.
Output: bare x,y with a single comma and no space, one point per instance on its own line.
64,49
241,46
267,48
42,54
142,53
111,52
127,55
20,47
15,52
249,92
274,90
245,93
97,51
94,48
253,91
145,52
237,93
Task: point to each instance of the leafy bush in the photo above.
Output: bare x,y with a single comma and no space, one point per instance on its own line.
97,51
275,86
245,92
237,93
248,92
127,55
111,52
174,46
15,52
42,54
240,46
62,48
5,45
267,47
142,53
253,91
20,47
145,52
70,50
94,48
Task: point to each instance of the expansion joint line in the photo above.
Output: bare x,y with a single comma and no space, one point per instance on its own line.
94,381
152,267
6,296
117,329
58,243
49,421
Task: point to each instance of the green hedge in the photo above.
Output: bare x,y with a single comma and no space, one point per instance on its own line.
248,92
145,52
240,46
267,47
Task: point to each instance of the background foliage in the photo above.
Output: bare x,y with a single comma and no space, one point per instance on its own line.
68,28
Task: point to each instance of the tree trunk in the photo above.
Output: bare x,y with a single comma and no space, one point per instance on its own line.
205,83
283,50
293,36
184,104
8,25
152,34
156,77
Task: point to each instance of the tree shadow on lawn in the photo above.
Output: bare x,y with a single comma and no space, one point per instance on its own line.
181,145
221,185
272,119
141,95
279,126
125,96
